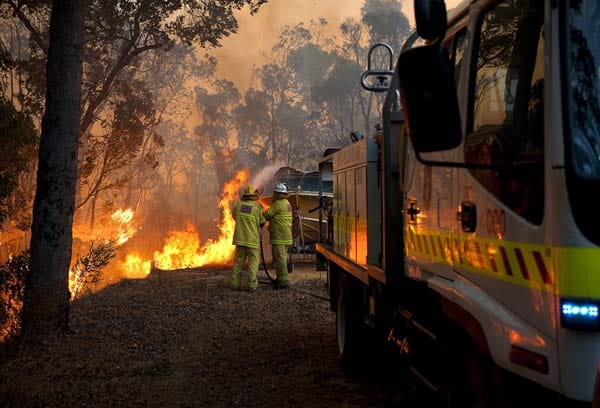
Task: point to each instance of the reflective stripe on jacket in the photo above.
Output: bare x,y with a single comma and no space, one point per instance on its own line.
279,216
248,219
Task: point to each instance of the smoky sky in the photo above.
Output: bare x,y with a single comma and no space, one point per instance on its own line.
256,34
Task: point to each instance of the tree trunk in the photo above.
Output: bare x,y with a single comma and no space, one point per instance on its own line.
46,304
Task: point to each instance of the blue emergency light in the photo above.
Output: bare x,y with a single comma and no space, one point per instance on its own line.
579,314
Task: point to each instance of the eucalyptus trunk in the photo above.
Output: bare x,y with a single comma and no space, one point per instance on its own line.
46,304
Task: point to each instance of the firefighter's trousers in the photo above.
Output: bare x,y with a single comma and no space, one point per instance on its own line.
280,262
253,255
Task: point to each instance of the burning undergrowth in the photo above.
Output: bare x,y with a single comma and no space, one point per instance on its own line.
117,248
182,248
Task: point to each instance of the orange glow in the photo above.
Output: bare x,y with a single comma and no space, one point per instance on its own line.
520,339
182,248
361,242
265,202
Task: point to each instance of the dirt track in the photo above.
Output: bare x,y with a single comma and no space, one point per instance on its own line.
183,339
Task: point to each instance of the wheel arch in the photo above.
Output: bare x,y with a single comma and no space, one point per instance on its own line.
467,324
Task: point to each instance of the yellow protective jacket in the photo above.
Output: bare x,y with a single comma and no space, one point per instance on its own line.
248,221
279,216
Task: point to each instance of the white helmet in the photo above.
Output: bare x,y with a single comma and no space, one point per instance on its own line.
281,188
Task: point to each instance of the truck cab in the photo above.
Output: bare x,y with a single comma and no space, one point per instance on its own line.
487,247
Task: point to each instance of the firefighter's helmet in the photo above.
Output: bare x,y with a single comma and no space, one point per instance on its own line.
250,192
281,188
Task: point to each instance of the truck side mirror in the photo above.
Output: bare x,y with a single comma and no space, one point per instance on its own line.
431,18
429,98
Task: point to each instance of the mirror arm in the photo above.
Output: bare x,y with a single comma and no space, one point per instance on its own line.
390,54
380,74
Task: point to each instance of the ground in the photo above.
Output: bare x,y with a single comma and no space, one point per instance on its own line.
184,339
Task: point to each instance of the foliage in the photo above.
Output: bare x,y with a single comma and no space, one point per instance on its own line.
123,132
129,81
12,278
118,32
137,65
385,21
5,58
308,97
18,140
215,107
86,272
88,268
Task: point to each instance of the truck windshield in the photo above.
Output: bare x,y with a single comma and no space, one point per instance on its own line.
582,41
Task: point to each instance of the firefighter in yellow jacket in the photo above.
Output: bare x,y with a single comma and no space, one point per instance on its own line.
279,216
249,219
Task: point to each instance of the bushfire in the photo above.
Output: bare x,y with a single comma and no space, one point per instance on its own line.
183,248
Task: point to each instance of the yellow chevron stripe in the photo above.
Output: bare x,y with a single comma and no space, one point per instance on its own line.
529,265
564,271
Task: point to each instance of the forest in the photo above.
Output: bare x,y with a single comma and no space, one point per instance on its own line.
118,134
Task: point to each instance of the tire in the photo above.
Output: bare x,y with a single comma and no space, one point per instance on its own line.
348,330
472,381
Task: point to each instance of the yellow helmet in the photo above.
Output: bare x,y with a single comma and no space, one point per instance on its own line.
250,192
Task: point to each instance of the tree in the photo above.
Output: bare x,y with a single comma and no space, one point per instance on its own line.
120,31
121,35
169,75
309,95
386,22
17,142
46,303
274,113
217,127
123,134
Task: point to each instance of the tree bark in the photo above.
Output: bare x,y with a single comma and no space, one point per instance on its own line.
46,304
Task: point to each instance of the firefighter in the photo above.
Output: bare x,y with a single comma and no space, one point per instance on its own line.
248,216
279,216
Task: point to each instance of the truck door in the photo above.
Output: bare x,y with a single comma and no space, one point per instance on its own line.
430,202
500,210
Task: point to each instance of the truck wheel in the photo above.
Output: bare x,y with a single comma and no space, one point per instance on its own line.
471,381
347,324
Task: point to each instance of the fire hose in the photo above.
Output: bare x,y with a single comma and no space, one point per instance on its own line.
262,255
271,279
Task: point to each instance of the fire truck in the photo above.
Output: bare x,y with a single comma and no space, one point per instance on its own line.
464,232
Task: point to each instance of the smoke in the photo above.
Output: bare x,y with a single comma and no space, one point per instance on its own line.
252,43
250,46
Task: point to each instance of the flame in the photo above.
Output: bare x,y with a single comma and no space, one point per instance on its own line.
135,267
119,229
182,248
122,216
125,230
220,252
180,251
